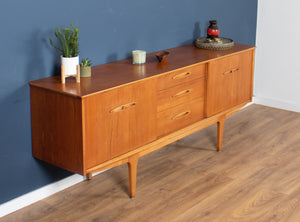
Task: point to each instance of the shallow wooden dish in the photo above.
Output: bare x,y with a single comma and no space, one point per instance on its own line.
162,56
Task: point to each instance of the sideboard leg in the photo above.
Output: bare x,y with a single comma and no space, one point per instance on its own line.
62,75
220,133
89,176
78,74
132,170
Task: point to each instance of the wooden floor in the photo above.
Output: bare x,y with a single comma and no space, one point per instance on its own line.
255,178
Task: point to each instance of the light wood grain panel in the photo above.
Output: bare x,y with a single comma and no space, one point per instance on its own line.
56,123
159,143
122,72
229,82
182,93
120,120
180,76
179,116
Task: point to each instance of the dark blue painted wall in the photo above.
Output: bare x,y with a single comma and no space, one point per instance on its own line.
109,30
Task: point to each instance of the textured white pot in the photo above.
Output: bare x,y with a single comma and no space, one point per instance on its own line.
70,64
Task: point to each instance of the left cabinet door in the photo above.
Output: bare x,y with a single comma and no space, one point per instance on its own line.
118,121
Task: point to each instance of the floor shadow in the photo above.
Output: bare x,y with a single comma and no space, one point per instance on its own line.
180,145
118,179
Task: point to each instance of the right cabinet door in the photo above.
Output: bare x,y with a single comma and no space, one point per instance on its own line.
229,82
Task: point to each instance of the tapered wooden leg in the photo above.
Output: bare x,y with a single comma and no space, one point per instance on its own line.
78,74
62,75
132,170
220,133
89,176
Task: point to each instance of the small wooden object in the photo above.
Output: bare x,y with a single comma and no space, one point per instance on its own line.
64,76
162,56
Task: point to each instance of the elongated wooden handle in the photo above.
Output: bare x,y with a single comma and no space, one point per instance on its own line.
181,93
180,115
182,75
231,71
123,107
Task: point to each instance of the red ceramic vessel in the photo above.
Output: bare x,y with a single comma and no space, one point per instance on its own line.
213,30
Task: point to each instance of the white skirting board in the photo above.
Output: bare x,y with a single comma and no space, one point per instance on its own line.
273,102
48,190
39,194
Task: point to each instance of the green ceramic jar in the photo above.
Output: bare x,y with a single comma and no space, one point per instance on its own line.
85,71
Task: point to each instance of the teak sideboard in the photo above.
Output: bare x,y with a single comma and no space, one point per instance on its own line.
125,111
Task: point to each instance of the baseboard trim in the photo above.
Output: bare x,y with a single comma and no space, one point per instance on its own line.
39,194
286,105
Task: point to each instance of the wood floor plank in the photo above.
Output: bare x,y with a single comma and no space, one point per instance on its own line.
256,177
227,198
256,208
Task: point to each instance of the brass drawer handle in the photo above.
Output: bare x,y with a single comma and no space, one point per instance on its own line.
231,71
181,93
180,115
123,107
182,75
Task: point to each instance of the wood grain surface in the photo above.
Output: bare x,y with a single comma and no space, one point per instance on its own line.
114,74
256,178
182,93
178,117
56,122
111,129
229,82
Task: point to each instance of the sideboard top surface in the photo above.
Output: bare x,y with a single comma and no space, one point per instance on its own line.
122,72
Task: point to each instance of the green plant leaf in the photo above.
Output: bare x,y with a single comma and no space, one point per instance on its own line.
68,39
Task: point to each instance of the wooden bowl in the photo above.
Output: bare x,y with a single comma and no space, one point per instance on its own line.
162,56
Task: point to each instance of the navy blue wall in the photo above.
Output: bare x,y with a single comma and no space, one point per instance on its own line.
109,30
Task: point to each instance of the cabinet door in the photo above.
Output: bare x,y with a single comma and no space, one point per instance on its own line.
119,120
229,82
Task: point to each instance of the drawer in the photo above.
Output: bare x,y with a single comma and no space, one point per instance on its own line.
179,116
227,65
176,95
181,76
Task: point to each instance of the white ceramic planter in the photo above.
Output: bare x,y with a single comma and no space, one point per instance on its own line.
70,64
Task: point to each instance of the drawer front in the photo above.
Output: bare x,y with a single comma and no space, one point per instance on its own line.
227,65
179,116
182,93
181,76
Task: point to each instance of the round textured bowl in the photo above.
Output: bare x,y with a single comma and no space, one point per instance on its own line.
204,43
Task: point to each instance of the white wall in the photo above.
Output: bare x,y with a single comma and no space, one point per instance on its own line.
277,68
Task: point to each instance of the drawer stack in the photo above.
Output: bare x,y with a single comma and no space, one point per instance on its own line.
180,98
